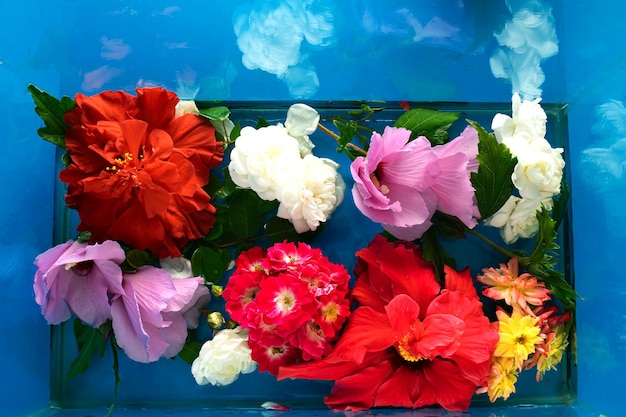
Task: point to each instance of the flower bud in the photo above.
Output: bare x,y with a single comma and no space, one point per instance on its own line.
216,290
215,319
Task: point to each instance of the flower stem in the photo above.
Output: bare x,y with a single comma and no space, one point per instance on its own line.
493,244
335,136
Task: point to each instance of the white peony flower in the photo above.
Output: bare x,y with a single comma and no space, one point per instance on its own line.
261,157
539,169
528,122
223,358
186,107
517,218
311,194
302,121
178,268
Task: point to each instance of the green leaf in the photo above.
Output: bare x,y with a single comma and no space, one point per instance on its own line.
215,184
138,258
208,263
261,122
347,132
116,364
433,124
492,182
216,231
219,113
279,230
449,226
560,205
51,110
190,351
228,188
545,240
89,340
435,253
542,261
244,214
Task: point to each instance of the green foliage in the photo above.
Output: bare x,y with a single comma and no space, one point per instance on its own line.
435,253
430,123
208,263
492,182
137,258
347,132
244,214
560,205
190,351
542,261
51,110
219,113
279,230
89,340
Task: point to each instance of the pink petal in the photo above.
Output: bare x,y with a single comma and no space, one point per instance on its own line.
466,143
129,332
174,334
153,289
185,292
455,194
88,296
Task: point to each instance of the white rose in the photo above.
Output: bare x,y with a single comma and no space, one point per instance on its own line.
502,216
302,121
261,157
539,169
223,358
527,123
178,268
310,196
186,107
517,218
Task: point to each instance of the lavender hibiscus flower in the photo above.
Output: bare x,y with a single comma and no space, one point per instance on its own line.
78,278
150,310
148,319
401,183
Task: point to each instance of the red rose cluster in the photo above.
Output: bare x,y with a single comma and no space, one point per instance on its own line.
292,299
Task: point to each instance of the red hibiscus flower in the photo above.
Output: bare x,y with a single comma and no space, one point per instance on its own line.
410,343
137,171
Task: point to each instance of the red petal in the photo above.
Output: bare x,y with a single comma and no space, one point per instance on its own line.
453,395
400,390
156,106
358,391
402,312
367,331
460,281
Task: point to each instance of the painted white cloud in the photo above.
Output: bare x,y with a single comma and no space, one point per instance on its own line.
272,34
525,42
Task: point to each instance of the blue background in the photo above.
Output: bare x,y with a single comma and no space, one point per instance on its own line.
349,50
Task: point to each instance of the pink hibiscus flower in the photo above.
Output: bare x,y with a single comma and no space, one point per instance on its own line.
401,183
